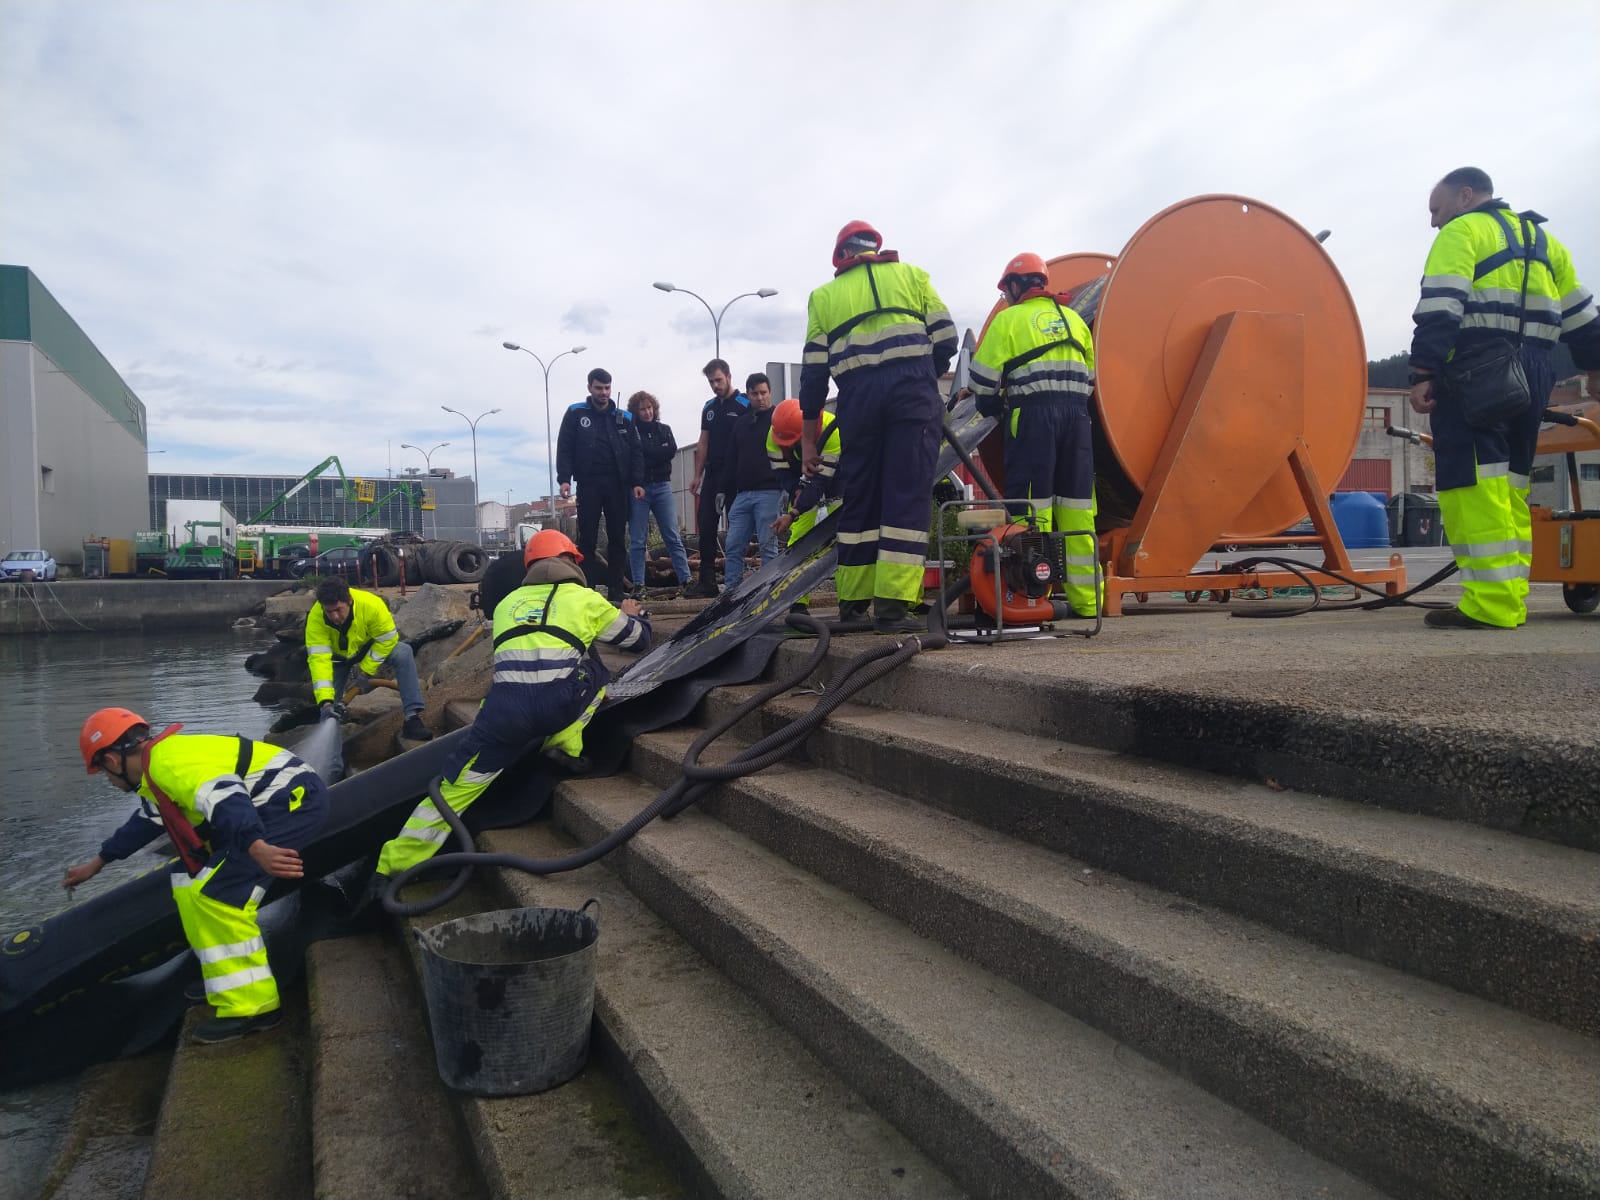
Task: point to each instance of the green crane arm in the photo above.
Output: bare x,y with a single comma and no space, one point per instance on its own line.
412,494
305,481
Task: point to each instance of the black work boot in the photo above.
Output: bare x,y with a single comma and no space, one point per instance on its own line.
226,1029
893,616
854,610
415,731
1454,618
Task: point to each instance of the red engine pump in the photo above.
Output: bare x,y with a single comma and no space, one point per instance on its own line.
1030,569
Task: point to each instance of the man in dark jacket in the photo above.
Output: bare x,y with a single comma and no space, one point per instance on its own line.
710,466
596,449
660,448
752,487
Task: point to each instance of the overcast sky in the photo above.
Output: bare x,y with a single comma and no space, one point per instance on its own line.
298,229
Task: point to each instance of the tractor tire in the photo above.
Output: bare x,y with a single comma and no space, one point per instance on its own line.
464,562
378,560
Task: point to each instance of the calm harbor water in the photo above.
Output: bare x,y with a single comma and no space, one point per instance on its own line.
52,813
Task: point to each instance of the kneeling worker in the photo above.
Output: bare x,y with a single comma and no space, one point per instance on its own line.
546,687
350,634
258,805
1035,370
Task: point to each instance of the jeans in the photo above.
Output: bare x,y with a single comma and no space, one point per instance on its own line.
657,500
751,515
404,664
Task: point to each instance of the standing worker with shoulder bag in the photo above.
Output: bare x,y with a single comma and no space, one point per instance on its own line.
1497,293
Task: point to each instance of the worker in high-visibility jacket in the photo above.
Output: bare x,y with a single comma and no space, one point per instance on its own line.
1034,370
811,495
238,812
546,687
882,333
350,634
1472,290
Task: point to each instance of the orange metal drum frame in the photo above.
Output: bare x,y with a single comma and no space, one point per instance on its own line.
1230,386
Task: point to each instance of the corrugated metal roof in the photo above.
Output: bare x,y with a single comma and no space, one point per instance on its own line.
1367,475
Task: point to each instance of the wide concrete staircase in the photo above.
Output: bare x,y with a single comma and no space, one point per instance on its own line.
998,932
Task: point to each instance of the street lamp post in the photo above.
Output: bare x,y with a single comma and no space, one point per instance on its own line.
427,462
549,445
477,522
716,317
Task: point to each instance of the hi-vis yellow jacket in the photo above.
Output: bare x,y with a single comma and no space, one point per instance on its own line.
876,312
1039,347
1472,288
368,637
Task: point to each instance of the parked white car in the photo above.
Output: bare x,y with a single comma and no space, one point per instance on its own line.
15,566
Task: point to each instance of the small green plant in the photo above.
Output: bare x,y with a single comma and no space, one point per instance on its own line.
959,552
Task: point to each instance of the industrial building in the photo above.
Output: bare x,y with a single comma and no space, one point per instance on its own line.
328,501
72,433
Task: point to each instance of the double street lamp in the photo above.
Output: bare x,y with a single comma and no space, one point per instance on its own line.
716,317
427,459
550,448
477,519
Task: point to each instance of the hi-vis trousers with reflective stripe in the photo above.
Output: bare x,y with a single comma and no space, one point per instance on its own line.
1483,481
218,906
804,524
515,719
889,426
1050,460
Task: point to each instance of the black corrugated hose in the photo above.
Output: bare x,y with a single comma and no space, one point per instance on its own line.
692,783
1295,567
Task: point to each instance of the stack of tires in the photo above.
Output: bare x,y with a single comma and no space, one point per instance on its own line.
423,562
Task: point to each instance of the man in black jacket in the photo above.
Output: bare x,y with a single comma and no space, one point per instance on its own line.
597,449
752,487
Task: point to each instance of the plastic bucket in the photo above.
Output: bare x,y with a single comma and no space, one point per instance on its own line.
510,997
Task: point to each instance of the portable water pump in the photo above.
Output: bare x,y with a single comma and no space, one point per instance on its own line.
1030,565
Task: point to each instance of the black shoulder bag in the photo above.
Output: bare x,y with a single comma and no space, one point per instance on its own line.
1485,378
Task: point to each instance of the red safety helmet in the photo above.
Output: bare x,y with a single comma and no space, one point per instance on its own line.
854,229
1023,264
548,543
103,730
786,419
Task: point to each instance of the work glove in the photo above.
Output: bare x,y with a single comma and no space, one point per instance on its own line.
361,681
722,503
327,710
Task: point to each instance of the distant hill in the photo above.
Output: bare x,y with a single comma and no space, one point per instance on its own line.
1391,371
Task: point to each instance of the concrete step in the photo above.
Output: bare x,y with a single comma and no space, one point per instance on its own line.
736,1103
576,1141
235,1120
382,1123
1313,1042
1512,919
1009,1094
104,1147
1255,709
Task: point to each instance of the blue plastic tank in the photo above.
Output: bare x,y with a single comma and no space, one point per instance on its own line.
1362,520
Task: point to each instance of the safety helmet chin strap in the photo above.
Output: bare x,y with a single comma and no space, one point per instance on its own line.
122,753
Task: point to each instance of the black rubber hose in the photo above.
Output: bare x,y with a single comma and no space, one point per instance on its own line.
1295,567
695,779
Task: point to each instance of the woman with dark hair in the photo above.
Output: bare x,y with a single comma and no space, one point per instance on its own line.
660,448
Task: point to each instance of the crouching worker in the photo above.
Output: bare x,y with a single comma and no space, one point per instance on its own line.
812,495
238,813
350,634
546,687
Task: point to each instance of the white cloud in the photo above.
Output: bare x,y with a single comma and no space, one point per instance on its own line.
300,228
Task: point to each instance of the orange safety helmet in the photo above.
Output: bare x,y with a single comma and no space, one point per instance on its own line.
548,543
103,730
1023,264
786,419
854,229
